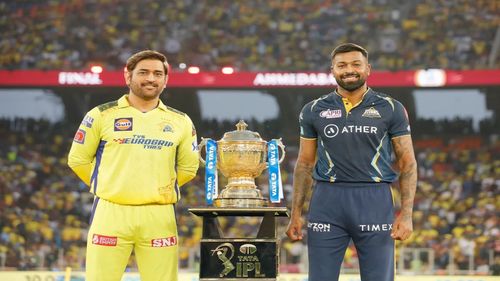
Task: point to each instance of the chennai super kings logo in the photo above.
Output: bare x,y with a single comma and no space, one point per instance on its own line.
225,253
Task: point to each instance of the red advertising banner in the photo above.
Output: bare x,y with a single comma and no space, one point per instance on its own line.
419,78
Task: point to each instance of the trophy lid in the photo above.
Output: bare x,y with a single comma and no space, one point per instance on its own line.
241,134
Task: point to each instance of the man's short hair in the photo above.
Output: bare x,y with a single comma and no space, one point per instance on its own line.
348,47
146,55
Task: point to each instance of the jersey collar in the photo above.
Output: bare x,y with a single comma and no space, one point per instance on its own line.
123,102
368,90
349,106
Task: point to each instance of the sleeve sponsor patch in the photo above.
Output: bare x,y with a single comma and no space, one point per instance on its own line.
79,136
194,145
88,121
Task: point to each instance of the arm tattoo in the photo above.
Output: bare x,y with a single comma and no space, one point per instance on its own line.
302,181
403,149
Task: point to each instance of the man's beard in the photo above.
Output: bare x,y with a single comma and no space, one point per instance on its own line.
137,89
350,86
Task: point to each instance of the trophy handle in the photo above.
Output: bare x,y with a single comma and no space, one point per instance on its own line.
200,146
282,147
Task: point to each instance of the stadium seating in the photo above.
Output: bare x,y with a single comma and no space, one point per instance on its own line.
260,35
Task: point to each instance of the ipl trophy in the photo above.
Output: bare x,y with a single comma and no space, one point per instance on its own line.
241,156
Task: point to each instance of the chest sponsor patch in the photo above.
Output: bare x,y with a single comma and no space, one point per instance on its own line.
371,113
332,130
331,113
123,124
103,240
79,136
164,242
148,143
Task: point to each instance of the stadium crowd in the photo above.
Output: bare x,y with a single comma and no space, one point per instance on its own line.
260,35
44,208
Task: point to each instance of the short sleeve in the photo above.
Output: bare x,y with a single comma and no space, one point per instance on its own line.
400,124
86,140
307,129
187,152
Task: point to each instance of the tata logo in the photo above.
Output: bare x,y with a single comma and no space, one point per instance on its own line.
211,181
123,124
248,249
211,157
273,159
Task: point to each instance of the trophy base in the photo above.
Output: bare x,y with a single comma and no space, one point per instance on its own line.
240,202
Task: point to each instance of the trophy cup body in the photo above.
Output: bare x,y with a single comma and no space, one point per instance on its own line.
241,157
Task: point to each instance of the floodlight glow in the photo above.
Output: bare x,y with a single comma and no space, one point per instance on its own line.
96,69
227,70
193,69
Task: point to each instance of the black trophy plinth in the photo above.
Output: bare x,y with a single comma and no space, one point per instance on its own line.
242,258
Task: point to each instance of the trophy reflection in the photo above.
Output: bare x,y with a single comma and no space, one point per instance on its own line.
241,156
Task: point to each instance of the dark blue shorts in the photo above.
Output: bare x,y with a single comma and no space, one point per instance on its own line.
340,212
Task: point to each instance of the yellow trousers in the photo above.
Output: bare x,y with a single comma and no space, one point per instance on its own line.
149,230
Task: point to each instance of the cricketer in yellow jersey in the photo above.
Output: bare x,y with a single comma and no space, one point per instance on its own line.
135,153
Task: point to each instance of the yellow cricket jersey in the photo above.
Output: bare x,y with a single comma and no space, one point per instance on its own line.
135,158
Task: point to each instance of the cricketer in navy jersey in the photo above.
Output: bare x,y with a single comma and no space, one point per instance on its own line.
354,146
347,139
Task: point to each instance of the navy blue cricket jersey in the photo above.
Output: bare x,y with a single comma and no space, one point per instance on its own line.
354,142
